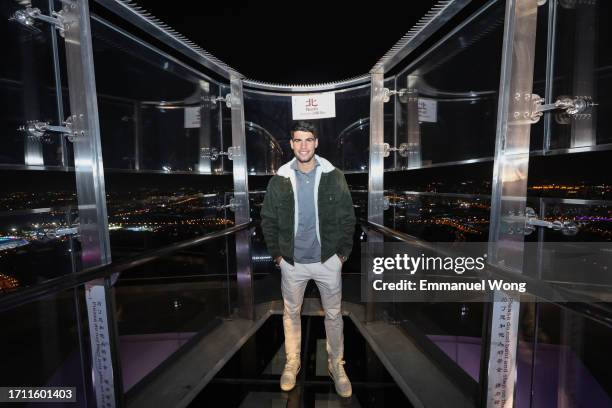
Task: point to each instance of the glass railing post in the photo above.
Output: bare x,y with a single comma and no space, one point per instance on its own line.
244,269
509,191
375,174
91,195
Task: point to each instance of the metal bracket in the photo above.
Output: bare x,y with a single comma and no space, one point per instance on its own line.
40,130
227,99
398,204
388,92
28,15
571,106
232,205
385,149
567,228
213,153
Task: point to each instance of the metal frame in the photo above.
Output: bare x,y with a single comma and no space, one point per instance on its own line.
376,168
506,240
286,90
551,38
244,272
59,100
435,18
197,75
254,86
485,8
439,15
583,131
26,295
134,14
91,195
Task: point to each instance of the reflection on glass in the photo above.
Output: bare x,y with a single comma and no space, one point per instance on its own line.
344,147
439,217
572,252
151,211
38,227
155,112
353,145
454,328
27,89
582,67
264,153
167,303
562,358
447,110
36,246
41,345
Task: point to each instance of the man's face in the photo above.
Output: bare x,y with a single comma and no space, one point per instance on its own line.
303,145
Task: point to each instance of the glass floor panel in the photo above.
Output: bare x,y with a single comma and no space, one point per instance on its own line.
251,378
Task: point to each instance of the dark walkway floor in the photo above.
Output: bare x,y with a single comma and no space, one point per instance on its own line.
251,378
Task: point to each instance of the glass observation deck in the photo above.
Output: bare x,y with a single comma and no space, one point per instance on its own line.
134,165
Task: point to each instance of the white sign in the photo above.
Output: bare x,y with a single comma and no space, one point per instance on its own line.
428,110
192,117
103,382
314,106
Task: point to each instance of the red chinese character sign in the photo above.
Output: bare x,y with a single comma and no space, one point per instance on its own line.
314,106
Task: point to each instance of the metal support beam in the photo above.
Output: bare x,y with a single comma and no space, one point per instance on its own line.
91,195
509,191
412,126
58,87
244,273
204,133
583,78
138,133
375,174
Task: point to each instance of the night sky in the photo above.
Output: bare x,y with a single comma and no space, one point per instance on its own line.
295,42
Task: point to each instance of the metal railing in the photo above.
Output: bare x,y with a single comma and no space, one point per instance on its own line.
588,307
55,285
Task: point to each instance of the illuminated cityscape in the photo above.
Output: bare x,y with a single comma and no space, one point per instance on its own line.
144,219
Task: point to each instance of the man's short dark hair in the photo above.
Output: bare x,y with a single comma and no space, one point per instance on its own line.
303,126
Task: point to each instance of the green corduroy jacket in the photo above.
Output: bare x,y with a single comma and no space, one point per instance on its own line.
335,224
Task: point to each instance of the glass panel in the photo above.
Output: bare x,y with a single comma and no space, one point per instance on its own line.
267,120
343,140
448,110
442,204
250,377
439,217
166,304
264,152
454,328
144,127
38,227
42,347
266,277
351,129
154,210
582,67
27,89
563,359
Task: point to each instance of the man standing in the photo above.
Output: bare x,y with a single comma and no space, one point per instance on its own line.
308,223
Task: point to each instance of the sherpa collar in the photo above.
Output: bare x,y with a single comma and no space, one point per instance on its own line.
285,170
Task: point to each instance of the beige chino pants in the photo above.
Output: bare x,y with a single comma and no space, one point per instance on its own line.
329,281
